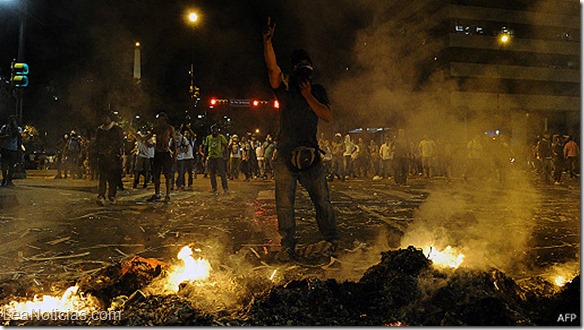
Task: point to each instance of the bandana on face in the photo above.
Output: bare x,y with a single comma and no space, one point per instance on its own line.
303,71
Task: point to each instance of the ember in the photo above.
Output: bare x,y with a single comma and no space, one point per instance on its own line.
560,281
190,270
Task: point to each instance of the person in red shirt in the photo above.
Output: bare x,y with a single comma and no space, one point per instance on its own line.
571,153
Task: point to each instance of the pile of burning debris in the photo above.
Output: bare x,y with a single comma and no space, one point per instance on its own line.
403,289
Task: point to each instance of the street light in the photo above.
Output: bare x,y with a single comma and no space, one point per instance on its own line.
192,18
504,36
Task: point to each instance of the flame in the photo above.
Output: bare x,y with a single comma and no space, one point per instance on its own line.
445,258
70,301
560,280
190,270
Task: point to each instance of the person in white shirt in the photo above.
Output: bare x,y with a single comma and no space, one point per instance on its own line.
259,151
234,157
142,166
386,155
349,156
428,153
186,159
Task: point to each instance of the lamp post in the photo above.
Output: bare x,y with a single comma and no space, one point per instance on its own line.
192,19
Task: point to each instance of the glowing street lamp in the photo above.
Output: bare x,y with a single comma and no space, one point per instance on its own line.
193,17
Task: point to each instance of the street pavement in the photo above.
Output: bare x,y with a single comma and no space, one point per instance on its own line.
53,229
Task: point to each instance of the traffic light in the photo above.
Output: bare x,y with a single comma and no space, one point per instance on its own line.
213,101
19,74
276,104
255,103
194,91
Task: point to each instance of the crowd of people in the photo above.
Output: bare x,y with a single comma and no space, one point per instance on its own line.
250,157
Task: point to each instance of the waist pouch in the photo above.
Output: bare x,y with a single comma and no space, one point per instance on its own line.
303,158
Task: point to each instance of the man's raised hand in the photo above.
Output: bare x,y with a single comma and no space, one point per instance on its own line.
268,31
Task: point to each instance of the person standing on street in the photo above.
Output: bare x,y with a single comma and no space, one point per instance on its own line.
571,153
428,154
10,141
401,149
187,165
557,158
386,155
165,153
216,145
234,157
338,148
108,145
302,104
142,163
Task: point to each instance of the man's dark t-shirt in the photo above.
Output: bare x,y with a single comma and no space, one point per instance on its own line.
298,123
108,142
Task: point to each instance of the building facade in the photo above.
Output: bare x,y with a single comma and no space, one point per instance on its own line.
512,65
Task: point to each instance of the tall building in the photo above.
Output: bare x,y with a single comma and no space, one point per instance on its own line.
512,65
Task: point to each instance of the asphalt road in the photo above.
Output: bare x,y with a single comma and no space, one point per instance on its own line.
53,229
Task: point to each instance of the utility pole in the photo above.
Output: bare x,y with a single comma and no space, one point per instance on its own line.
19,171
21,45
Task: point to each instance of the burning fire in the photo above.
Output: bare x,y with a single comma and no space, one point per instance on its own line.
445,258
190,270
70,301
560,280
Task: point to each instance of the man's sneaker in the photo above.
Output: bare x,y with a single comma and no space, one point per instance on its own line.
285,255
101,201
9,184
112,200
167,199
318,249
154,198
377,178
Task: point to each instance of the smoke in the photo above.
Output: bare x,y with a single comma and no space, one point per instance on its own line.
490,222
353,265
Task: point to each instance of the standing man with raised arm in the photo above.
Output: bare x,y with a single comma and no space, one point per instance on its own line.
302,104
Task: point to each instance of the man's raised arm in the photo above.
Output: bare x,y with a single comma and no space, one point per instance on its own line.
274,71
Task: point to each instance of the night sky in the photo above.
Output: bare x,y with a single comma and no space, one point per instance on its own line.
81,52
